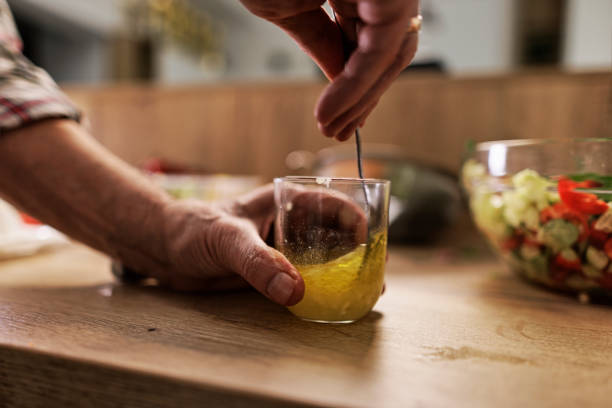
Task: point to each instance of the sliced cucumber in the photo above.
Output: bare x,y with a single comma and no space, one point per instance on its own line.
558,234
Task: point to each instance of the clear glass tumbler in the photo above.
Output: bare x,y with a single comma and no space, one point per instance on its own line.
334,231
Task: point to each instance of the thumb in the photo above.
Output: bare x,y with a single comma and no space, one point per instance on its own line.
263,267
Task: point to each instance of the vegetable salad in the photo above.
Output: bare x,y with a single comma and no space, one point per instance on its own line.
555,231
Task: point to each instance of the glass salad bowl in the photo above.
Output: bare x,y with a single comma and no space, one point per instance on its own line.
545,207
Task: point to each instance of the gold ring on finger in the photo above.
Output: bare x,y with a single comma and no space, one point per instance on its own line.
416,23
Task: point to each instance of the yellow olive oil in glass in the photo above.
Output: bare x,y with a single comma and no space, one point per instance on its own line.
343,277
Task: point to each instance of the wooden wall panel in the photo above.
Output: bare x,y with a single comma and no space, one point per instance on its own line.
556,106
250,128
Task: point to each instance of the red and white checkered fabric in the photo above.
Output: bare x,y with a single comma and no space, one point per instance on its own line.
27,93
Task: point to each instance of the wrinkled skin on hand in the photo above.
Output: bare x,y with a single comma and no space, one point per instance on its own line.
219,247
377,30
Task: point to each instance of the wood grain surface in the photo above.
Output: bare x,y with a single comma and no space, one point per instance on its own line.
453,330
251,128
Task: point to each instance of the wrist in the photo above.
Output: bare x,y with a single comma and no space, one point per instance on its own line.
139,241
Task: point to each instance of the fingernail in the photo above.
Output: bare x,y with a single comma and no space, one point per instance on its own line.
343,137
323,130
281,288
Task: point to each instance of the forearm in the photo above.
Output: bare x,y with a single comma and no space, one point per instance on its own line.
56,172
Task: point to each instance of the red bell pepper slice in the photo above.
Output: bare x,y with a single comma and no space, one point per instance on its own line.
584,203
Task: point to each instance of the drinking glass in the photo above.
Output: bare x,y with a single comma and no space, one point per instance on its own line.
334,231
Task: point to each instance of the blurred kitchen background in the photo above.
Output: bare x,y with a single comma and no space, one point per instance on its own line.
201,85
191,41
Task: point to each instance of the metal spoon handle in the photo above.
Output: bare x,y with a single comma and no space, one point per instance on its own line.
359,162
347,51
360,169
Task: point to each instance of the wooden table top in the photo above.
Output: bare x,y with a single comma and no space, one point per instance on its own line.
450,331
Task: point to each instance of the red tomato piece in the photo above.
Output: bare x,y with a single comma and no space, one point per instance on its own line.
531,241
563,263
548,214
597,237
606,281
608,248
553,212
511,243
558,273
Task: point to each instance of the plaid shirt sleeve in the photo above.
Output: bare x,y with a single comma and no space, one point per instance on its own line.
27,93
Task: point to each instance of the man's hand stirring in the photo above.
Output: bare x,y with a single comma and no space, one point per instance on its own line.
384,39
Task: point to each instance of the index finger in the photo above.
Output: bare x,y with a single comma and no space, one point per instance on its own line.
319,37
